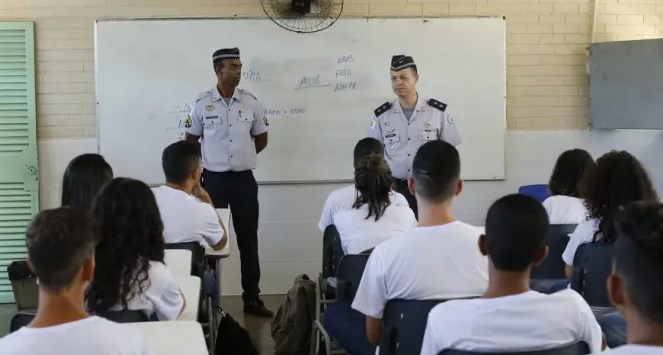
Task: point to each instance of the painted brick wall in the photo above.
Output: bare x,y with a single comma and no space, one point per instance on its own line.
547,82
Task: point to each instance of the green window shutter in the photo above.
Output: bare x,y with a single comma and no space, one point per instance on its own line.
19,182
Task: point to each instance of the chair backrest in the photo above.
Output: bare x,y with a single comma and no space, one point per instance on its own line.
592,265
403,326
571,349
332,252
197,256
556,239
24,285
348,276
539,192
20,320
127,316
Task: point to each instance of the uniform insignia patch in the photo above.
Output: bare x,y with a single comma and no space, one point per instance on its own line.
429,124
187,123
450,120
264,119
437,104
382,109
209,108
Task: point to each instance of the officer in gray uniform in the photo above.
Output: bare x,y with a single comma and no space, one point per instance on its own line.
404,124
232,128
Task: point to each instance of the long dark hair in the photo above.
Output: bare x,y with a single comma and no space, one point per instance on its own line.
373,182
131,236
82,179
568,171
617,179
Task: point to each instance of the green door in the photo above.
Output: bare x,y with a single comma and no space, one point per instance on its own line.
19,179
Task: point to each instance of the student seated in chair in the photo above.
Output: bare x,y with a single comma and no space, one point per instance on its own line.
373,218
436,260
565,206
346,197
617,179
186,209
61,245
635,286
130,271
509,316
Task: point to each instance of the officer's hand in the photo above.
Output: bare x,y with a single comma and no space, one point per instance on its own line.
201,194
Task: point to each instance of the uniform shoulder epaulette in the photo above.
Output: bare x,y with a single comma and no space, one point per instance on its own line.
203,95
248,93
382,109
437,104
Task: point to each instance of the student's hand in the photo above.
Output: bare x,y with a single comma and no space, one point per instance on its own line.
201,194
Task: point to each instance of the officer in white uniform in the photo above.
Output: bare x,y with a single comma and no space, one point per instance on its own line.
406,123
232,129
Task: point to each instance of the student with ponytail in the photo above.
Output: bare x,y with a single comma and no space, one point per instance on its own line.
373,217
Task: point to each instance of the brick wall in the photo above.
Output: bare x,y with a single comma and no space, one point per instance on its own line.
547,82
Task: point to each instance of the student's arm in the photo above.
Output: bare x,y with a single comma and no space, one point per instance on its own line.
589,330
165,293
577,238
215,232
183,303
372,295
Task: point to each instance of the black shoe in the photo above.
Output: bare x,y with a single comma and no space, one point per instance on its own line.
257,308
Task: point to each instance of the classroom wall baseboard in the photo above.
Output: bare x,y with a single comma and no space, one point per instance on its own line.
290,242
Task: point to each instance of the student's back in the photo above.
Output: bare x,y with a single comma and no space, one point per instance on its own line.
92,335
509,316
372,217
564,205
61,245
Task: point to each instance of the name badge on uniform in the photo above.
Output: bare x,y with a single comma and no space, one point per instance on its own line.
390,135
211,117
209,108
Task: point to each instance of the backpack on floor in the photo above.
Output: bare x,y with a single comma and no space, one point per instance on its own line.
293,323
232,339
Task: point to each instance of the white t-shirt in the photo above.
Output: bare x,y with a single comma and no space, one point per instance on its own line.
92,335
186,218
583,234
162,297
359,234
524,322
632,349
439,262
343,199
565,209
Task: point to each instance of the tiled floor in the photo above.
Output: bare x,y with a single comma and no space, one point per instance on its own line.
259,328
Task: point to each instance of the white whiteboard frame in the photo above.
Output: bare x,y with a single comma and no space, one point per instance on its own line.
298,182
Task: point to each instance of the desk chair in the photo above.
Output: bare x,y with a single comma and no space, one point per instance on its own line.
571,349
332,252
403,326
349,272
553,266
539,191
170,338
20,320
24,285
198,268
592,265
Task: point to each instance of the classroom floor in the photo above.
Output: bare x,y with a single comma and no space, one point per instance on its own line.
259,328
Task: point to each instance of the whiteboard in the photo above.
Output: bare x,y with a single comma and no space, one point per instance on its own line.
318,90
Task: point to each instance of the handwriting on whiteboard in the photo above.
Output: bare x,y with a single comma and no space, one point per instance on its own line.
285,111
253,76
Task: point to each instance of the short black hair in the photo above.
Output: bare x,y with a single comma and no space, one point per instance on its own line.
568,171
179,160
59,241
639,256
367,147
516,227
436,171
82,179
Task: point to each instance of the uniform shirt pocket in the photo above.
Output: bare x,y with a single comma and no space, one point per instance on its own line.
211,120
428,135
245,116
391,138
